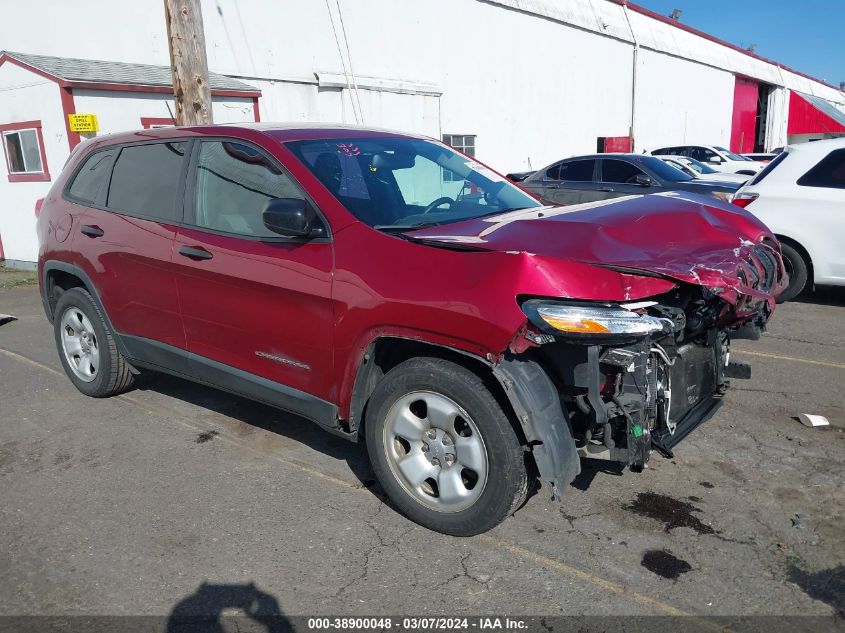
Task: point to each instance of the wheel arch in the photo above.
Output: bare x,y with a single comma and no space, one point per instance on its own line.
386,352
58,277
522,387
802,250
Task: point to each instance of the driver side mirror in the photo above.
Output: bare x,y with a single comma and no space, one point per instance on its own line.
291,217
715,160
643,181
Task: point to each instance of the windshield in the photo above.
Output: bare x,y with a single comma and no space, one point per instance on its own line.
664,171
403,182
730,154
697,165
689,171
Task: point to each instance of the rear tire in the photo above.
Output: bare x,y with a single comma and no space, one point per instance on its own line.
796,267
87,347
443,449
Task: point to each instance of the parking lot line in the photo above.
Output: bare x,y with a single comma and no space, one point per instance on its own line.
794,359
491,541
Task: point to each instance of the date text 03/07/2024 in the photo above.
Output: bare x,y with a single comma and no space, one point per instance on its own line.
408,623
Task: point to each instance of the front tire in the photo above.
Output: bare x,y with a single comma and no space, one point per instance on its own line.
443,449
87,348
797,270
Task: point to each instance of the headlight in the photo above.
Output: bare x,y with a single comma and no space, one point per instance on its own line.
577,319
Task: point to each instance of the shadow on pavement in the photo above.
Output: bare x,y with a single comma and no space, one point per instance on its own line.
592,467
268,418
823,295
213,608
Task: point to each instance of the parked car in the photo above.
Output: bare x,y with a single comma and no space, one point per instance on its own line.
604,176
761,157
397,292
697,169
801,196
717,157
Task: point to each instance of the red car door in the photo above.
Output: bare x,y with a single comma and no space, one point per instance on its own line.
256,306
126,239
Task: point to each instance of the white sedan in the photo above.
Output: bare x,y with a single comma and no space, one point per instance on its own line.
719,158
697,169
800,196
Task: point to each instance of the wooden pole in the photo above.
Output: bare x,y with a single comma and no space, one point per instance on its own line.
186,40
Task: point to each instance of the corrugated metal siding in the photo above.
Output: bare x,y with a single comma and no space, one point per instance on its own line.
608,18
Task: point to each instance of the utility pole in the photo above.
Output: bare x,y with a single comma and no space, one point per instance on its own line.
186,40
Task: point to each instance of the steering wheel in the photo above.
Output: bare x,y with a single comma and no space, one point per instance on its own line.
433,205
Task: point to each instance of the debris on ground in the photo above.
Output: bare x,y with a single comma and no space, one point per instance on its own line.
808,419
6,318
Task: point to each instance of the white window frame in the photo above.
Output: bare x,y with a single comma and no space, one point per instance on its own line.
463,146
28,175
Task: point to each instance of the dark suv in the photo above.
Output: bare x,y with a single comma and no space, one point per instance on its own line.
396,291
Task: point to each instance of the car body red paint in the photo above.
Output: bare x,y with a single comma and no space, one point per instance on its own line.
466,300
304,314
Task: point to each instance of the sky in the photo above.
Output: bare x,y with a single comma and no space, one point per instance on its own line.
806,35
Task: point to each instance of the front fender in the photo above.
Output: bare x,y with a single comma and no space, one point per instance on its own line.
536,403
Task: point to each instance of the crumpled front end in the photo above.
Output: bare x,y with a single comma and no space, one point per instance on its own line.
633,376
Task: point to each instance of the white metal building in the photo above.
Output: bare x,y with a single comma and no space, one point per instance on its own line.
519,83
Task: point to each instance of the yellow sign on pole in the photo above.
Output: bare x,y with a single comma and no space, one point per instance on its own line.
83,122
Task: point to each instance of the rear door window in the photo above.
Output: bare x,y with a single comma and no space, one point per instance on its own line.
829,173
145,180
577,171
92,179
614,170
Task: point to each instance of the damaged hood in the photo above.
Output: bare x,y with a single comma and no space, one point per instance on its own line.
684,237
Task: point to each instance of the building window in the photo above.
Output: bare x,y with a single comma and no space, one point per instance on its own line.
23,147
462,142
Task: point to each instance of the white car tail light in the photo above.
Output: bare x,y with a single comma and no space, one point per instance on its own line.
744,199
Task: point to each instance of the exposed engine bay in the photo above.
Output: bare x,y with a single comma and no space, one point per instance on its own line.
628,393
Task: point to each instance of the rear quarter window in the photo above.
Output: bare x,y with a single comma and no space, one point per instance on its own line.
145,180
828,173
91,180
777,160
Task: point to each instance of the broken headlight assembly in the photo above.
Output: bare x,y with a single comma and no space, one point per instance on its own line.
581,320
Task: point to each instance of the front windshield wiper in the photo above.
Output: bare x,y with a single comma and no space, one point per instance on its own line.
398,228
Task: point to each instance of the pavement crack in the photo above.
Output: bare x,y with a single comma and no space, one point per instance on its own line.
482,579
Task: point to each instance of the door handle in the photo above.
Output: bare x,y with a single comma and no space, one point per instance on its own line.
606,189
91,230
194,252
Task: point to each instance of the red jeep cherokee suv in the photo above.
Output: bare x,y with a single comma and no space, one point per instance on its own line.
396,291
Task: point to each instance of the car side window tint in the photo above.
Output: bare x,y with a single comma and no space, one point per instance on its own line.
553,173
145,180
577,171
828,173
613,170
91,180
234,181
706,154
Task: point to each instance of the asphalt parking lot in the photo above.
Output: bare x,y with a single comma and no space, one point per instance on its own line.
131,504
